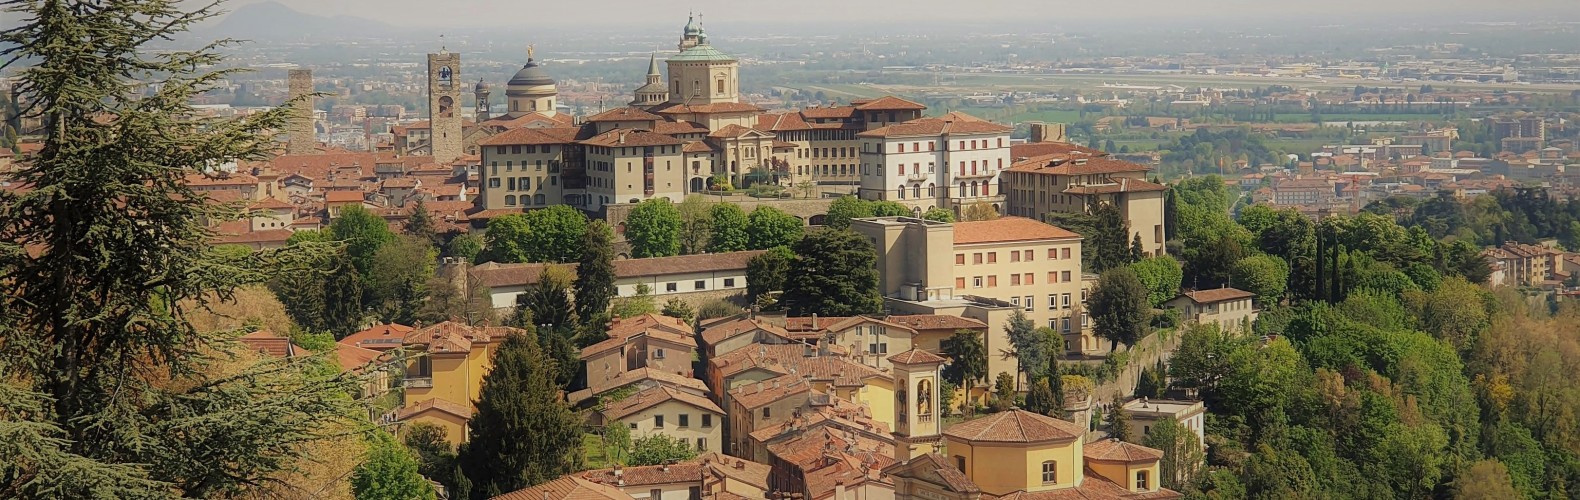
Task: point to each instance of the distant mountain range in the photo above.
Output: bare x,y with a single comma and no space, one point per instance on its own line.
275,22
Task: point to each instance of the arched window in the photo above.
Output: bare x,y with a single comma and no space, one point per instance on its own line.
916,191
510,200
1050,472
924,397
930,190
538,199
902,192
962,192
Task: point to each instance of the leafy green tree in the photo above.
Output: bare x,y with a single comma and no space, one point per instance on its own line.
617,444
388,472
696,224
554,234
420,224
635,305
435,455
1182,454
1032,346
767,272
658,448
979,211
1119,307
1162,275
968,358
1263,275
653,229
522,432
594,285
768,227
363,233
679,309
834,274
109,391
466,247
940,215
1452,313
729,229
342,292
1273,473
1109,245
1486,480
1137,252
306,236
842,210
399,279
885,208
506,239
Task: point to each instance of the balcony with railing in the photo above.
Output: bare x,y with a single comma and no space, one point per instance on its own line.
419,382
918,176
981,173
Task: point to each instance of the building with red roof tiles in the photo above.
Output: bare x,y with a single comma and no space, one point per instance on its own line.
379,337
939,162
1229,308
267,342
648,341
1066,178
681,415
450,374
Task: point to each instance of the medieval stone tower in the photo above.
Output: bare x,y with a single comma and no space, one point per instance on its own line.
444,101
917,420
299,130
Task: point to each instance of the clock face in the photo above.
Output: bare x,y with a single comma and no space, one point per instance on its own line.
445,75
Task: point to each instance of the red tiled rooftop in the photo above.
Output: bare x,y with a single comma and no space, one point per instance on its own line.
1015,426
1007,229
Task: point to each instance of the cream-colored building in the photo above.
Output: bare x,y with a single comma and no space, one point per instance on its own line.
1013,261
1021,454
689,418
650,341
1228,308
950,161
1072,179
1145,414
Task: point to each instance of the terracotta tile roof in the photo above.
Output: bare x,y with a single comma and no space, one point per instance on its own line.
744,471
623,115
399,183
720,107
723,331
650,325
1093,487
631,138
642,376
1006,229
526,136
801,360
1074,164
937,127
435,404
380,337
446,337
655,396
684,264
916,357
697,147
1218,295
936,322
840,112
887,103
535,119
569,487
279,236
690,471
679,127
1123,185
937,469
781,122
844,416
754,396
1015,426
806,323
342,196
1114,450
352,357
274,345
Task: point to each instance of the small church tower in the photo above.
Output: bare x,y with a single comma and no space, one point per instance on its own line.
481,93
654,92
917,417
444,97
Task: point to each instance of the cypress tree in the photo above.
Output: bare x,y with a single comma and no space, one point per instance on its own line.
594,283
420,224
523,433
109,392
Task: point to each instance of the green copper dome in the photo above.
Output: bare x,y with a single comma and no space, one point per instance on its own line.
702,53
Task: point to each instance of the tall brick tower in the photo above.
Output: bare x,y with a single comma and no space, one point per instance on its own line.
444,99
299,130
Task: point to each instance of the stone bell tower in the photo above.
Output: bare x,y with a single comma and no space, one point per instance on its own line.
444,101
917,426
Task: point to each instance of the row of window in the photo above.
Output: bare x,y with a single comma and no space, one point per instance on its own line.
916,147
537,199
673,287
530,148
682,421
970,190
1014,256
510,166
833,152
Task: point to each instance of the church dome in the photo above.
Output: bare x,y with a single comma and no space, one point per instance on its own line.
531,75
692,27
482,86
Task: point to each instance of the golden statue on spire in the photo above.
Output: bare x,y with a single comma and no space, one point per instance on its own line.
530,48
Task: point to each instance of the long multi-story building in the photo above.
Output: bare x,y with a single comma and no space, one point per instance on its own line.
1072,179
948,162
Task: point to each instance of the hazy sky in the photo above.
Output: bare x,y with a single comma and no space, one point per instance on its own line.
440,13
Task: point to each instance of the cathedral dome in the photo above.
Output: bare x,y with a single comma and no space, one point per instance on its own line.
481,86
531,75
692,28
